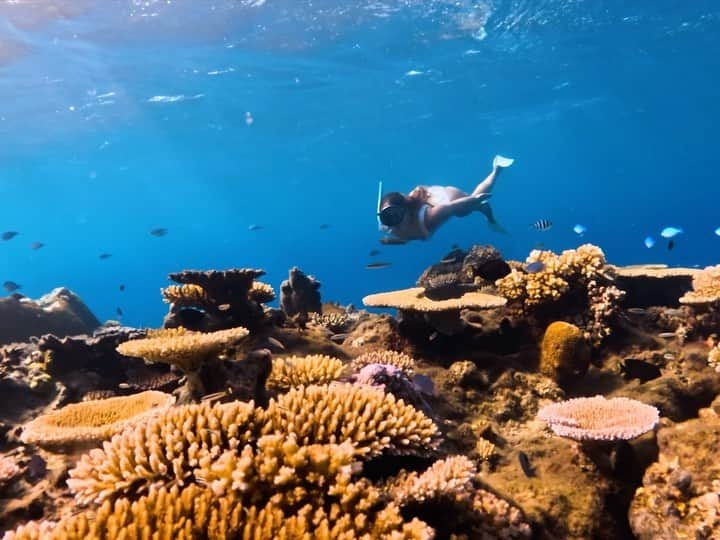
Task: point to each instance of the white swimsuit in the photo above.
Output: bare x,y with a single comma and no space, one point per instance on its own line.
437,195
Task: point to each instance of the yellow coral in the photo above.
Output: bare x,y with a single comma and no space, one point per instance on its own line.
445,477
400,360
260,292
414,299
335,322
183,348
185,295
92,421
303,370
162,451
373,420
564,353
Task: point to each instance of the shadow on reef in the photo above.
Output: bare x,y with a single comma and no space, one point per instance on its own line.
552,398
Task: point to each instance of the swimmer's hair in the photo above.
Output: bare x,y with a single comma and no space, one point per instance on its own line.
394,198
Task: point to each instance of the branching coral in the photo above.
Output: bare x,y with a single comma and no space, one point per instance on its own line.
335,322
294,371
373,420
185,295
262,293
89,422
398,359
444,477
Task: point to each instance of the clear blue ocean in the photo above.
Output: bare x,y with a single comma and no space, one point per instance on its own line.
256,131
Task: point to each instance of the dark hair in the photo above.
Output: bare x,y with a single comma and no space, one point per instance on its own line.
393,207
394,198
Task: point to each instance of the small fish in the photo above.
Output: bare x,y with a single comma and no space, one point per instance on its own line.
37,468
105,256
433,336
11,286
542,225
649,242
224,307
374,252
424,384
717,231
338,338
637,311
669,356
119,312
667,335
254,227
9,235
632,368
36,245
539,245
535,267
160,231
579,229
324,226
122,287
671,244
525,464
392,241
124,386
670,232
377,265
275,343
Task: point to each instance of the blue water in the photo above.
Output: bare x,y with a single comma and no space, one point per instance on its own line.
117,117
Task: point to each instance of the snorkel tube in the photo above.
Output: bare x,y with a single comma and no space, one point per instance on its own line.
381,227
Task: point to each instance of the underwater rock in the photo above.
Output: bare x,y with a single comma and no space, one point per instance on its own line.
299,294
564,353
680,495
60,312
394,380
486,263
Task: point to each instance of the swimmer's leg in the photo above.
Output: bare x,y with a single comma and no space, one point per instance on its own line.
486,185
486,209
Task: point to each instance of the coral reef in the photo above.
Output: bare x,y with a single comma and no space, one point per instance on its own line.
60,312
400,360
653,284
291,371
564,353
299,295
89,422
705,288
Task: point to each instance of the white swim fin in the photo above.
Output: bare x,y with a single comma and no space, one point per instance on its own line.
502,161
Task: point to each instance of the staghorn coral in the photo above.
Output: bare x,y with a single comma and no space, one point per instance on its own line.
335,322
294,371
186,295
564,353
600,419
161,451
92,421
705,288
444,477
373,420
260,292
400,360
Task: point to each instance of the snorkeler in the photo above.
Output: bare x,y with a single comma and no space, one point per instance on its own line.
417,215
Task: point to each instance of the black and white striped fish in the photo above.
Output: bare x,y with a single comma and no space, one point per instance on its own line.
542,225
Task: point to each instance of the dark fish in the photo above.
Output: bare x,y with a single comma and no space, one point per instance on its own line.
542,225
37,467
539,245
122,287
377,265
338,338
632,368
424,384
36,245
525,464
636,311
255,227
9,235
105,255
160,231
11,286
391,241
374,252
671,244
324,226
275,343
119,312
667,335
535,267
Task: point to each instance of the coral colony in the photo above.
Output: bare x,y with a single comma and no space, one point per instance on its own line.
559,397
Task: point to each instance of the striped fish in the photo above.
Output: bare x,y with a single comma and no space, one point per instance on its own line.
542,225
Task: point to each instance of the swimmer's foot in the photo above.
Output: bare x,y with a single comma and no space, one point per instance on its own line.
502,162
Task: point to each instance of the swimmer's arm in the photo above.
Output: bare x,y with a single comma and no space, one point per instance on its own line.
437,215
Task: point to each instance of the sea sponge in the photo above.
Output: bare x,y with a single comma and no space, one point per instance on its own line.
414,299
303,370
260,292
443,478
564,353
185,295
183,348
706,287
600,419
373,420
162,451
400,360
90,422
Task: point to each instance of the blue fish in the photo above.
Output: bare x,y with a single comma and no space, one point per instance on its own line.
535,267
580,229
649,242
717,231
670,232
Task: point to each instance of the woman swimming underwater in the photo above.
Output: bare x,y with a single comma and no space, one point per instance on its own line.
417,215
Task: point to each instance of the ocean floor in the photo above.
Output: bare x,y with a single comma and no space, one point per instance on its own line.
560,397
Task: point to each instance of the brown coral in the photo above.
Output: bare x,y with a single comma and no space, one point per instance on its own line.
185,295
564,353
294,371
373,420
260,292
414,299
400,360
706,287
92,421
598,418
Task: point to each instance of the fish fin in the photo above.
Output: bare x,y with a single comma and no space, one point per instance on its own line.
502,161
